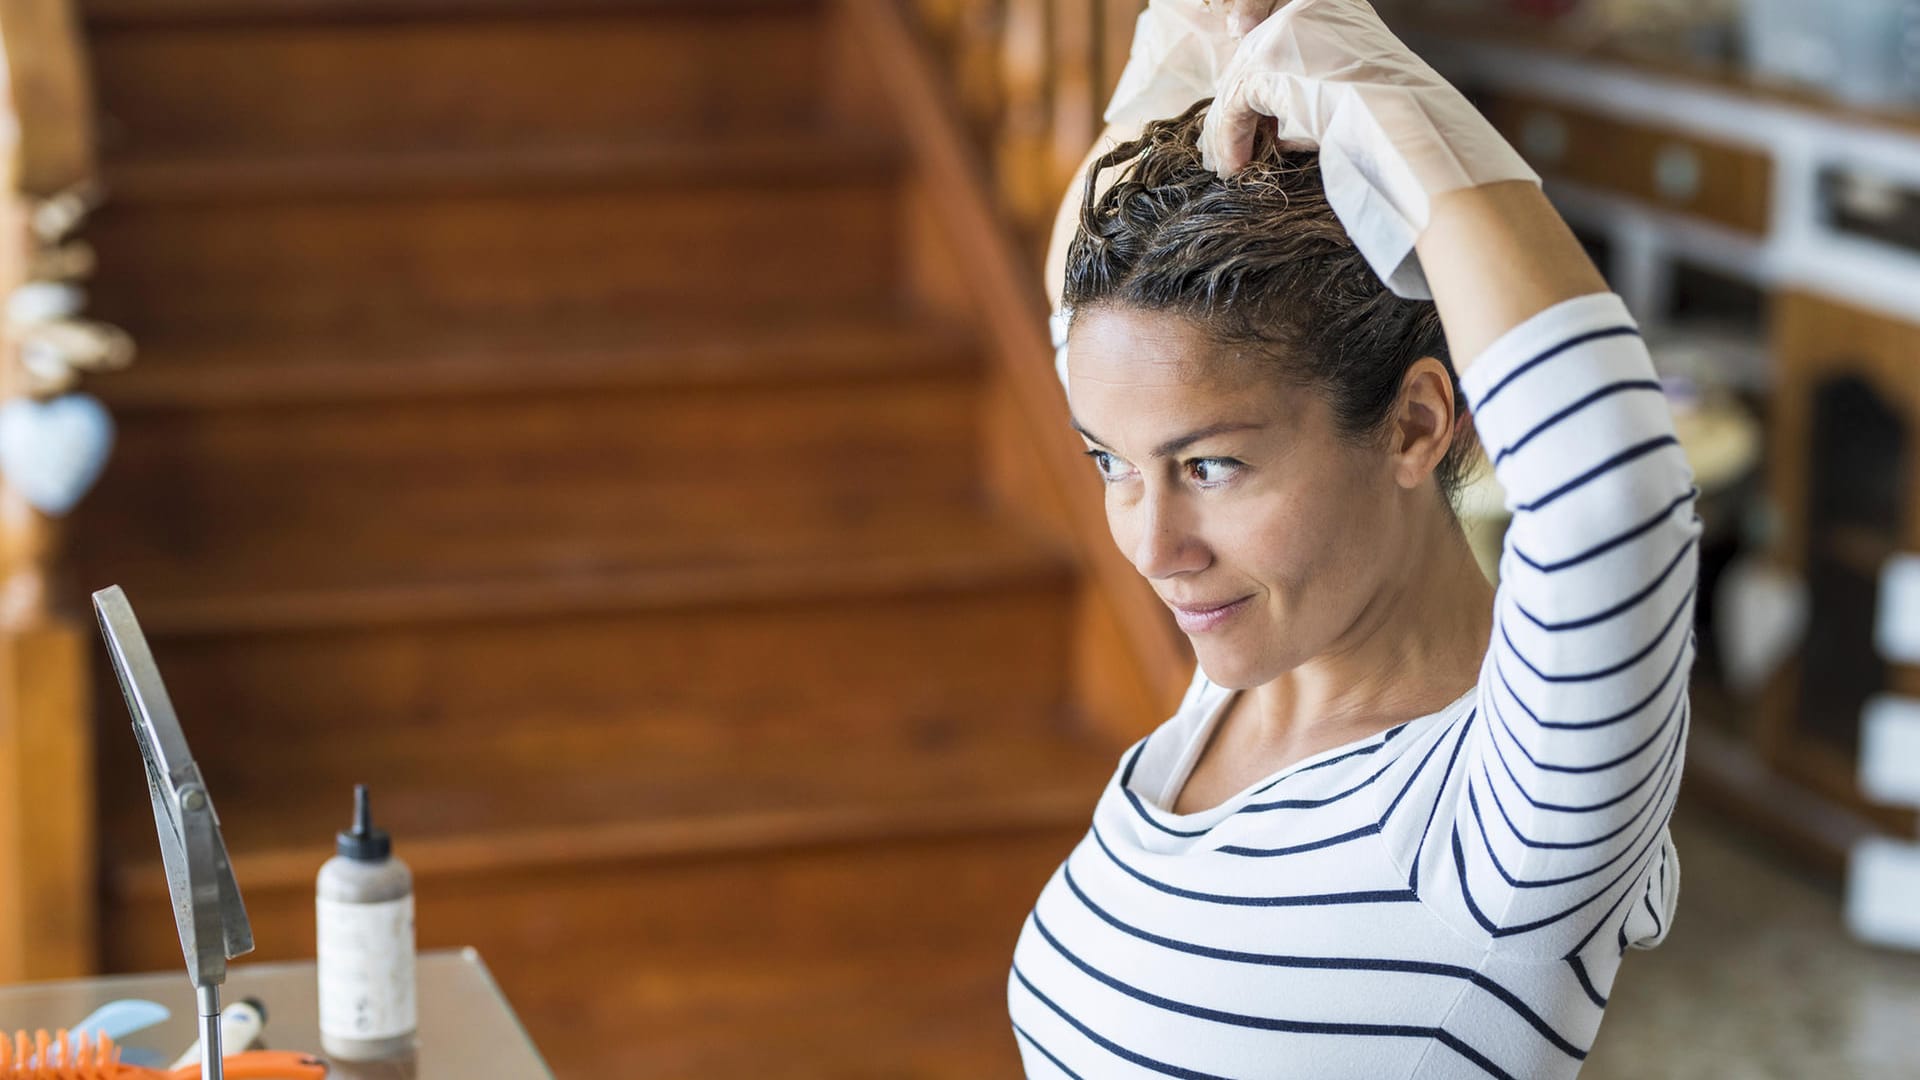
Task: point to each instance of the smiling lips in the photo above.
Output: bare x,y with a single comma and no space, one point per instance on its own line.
1200,618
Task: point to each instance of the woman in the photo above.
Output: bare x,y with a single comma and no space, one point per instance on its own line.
1402,825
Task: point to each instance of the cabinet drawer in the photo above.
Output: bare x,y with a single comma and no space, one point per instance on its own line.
1727,185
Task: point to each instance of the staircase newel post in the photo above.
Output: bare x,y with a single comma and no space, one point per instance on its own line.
47,878
48,881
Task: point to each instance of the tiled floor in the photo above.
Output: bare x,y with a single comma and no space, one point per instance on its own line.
1758,979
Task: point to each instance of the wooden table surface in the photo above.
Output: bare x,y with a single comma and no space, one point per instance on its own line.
467,1029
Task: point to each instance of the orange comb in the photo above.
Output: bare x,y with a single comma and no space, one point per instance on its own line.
59,1056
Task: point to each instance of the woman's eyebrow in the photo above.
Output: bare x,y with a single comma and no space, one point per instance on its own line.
1174,446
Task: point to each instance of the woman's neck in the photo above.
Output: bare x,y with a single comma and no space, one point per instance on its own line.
1415,649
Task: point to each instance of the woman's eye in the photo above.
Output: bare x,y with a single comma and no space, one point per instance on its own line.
1109,466
1210,471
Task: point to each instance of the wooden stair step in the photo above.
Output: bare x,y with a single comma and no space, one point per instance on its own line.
280,75
329,265
885,959
146,12
516,359
528,801
786,158
951,553
534,497
687,698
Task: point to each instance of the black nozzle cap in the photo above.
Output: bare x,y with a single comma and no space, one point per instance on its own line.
365,843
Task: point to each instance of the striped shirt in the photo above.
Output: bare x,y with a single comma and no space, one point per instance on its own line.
1451,897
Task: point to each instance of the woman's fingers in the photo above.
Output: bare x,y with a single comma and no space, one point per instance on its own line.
1226,139
1249,98
1244,15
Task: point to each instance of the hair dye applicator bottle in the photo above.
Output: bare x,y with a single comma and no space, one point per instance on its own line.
364,922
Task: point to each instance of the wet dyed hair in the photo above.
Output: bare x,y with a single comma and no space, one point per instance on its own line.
1259,262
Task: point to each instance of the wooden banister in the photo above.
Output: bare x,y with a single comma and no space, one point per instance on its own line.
47,887
1031,77
1132,664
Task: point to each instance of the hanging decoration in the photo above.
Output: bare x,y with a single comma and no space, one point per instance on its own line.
54,441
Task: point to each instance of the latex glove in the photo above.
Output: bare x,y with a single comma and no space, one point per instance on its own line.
1392,133
1180,49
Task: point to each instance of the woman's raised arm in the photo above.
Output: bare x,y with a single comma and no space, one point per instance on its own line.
1496,256
1552,841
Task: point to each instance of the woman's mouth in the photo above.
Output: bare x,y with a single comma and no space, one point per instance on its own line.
1200,618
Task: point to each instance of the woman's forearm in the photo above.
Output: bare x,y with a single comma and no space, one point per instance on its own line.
1495,256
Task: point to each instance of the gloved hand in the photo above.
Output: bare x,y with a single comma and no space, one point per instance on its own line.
1180,49
1392,133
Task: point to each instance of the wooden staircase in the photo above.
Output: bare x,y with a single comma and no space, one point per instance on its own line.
585,422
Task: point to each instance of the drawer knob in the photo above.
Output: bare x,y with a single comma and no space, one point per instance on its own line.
1676,174
1544,138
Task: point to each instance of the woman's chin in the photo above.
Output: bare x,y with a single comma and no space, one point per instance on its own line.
1227,667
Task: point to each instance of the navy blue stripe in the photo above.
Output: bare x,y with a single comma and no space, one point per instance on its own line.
1557,350
1231,1019
1486,843
1413,874
1620,460
1580,972
1048,1054
1385,738
1133,759
1578,769
1646,814
1625,895
1108,1044
1604,392
1370,896
1446,1038
1657,925
1310,804
1514,737
1685,605
1141,807
1337,963
1297,849
1624,605
1647,810
1452,1042
1387,814
1665,756
1588,725
1500,931
1610,543
1367,830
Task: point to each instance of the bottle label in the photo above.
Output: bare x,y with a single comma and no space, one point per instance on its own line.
366,968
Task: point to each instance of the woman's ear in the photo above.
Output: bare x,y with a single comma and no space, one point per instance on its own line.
1423,422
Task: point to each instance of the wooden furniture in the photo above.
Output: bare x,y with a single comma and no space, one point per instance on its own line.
1845,415
47,908
1670,164
623,435
467,1027
1032,77
1724,184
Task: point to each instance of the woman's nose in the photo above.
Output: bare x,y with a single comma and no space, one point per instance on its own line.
1166,543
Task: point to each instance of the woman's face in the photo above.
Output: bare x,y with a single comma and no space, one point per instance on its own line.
1265,532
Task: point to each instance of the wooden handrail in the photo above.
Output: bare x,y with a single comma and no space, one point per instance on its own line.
47,901
1032,77
1132,663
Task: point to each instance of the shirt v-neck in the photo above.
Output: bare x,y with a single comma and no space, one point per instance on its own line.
1196,742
